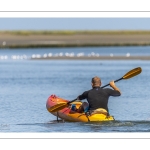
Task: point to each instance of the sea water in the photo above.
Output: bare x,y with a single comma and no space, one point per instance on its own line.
26,85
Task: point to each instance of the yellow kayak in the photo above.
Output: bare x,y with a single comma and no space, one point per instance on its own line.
70,115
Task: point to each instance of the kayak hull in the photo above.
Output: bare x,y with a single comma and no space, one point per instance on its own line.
69,115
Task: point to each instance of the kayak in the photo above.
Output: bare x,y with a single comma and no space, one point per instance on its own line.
68,114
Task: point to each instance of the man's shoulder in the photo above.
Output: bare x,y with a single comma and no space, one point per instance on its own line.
87,91
107,89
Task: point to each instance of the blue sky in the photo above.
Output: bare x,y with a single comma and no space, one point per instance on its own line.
74,23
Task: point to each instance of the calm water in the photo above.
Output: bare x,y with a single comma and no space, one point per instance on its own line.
26,85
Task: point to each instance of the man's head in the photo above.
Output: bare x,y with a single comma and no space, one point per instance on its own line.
96,81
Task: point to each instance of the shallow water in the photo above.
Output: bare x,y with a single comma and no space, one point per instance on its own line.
26,85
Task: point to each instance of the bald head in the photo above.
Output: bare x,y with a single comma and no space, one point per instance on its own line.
96,81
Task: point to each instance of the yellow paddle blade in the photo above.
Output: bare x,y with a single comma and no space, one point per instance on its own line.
132,73
57,107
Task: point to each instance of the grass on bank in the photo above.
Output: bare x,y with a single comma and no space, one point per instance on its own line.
74,32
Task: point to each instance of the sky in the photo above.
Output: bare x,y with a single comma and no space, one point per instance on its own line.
66,23
75,15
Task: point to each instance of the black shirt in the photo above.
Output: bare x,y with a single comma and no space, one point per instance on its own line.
98,97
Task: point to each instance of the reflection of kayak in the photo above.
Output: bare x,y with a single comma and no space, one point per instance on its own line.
69,115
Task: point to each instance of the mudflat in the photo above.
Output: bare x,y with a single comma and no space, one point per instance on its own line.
93,58
22,39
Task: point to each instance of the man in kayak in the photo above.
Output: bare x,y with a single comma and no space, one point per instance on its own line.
97,97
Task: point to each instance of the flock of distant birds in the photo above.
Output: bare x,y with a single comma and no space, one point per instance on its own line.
51,55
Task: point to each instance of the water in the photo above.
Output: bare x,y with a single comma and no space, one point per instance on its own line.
26,85
9,54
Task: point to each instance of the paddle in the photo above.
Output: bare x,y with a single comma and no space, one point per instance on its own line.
128,75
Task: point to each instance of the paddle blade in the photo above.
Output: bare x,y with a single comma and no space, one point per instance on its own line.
58,107
132,73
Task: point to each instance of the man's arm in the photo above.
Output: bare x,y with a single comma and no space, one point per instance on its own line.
83,96
112,84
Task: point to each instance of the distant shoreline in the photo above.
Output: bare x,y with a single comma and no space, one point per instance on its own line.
50,39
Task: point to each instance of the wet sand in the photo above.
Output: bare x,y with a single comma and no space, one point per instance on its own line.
33,40
95,58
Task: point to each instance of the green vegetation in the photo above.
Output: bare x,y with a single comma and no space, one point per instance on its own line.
73,32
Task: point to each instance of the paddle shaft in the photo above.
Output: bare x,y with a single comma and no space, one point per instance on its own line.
114,81
71,101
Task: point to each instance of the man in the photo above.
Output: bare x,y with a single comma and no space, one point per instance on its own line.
97,97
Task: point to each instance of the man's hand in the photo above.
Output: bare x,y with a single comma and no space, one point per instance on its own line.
112,84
